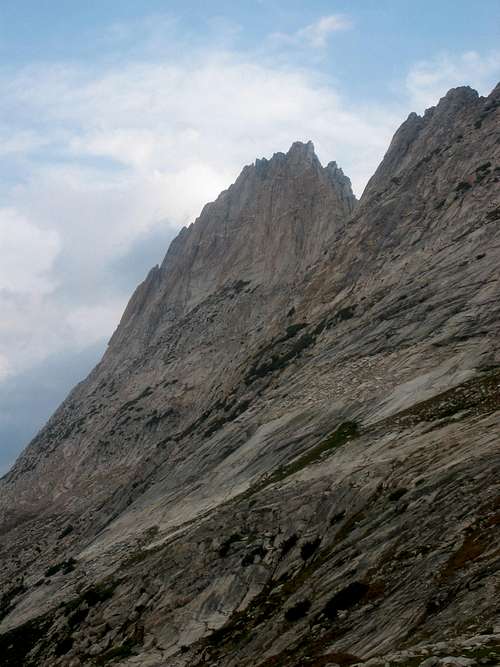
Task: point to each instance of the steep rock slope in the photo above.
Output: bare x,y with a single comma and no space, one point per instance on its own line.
289,453
221,286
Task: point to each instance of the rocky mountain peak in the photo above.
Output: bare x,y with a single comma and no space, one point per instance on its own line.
459,96
299,159
302,152
265,229
296,420
422,141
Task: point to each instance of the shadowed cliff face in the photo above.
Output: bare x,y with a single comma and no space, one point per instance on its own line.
288,454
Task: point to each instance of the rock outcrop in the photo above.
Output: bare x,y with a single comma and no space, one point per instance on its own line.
289,453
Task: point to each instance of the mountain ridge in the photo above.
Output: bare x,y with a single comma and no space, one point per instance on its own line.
279,383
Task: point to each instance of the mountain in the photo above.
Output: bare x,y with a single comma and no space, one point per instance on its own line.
288,454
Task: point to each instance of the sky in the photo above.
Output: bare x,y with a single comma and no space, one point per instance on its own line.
120,119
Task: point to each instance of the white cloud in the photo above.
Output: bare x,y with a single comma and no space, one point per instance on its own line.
211,115
21,142
31,328
317,34
92,323
429,80
34,327
27,254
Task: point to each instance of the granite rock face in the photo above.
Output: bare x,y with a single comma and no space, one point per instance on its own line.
289,453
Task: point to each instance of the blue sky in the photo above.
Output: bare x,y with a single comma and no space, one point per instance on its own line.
119,119
388,36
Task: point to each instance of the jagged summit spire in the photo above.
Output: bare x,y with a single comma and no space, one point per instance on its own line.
299,155
454,101
300,158
460,93
302,149
422,138
298,150
266,228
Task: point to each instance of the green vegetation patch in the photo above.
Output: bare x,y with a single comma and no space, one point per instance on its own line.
462,187
272,602
278,361
65,567
92,596
140,555
489,654
344,433
477,396
67,531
